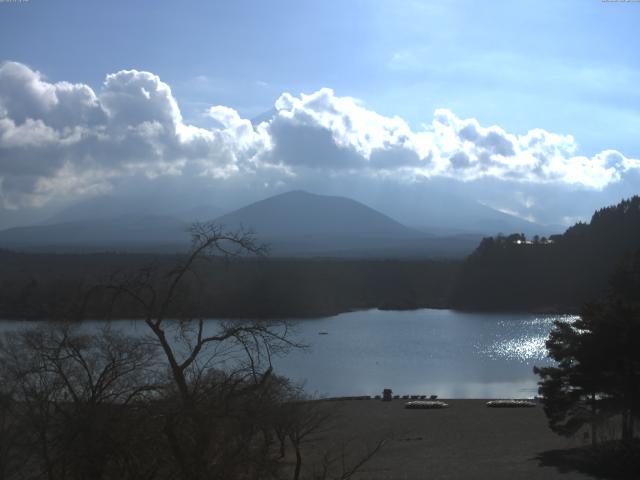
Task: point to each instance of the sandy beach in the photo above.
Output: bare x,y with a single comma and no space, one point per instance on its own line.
467,440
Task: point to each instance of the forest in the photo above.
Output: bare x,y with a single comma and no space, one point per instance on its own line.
35,286
556,274
504,273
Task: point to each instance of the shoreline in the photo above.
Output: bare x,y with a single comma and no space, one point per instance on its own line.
328,314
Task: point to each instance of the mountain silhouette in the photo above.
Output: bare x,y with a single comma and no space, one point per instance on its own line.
300,214
292,224
113,207
300,223
123,232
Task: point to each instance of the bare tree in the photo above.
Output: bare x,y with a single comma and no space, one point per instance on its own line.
346,458
191,399
11,435
307,418
213,366
70,392
312,428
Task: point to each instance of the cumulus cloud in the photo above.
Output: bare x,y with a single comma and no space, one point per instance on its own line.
339,124
61,140
325,131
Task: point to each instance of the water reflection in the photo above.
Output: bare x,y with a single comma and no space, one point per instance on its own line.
444,352
522,349
526,347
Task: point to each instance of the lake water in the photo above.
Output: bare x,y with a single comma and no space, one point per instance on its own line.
418,352
443,352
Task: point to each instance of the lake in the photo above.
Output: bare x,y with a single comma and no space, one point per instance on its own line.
447,353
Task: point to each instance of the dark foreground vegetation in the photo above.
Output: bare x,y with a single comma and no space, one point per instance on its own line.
180,401
594,385
109,406
36,286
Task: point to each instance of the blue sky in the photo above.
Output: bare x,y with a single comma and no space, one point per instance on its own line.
569,67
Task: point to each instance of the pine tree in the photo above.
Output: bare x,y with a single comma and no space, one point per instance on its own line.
597,375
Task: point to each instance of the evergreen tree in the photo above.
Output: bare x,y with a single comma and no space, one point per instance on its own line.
597,375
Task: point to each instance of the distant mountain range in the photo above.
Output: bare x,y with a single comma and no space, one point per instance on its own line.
108,207
295,223
454,215
123,233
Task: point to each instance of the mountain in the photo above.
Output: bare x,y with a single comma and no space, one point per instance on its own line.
113,207
126,232
293,224
299,223
459,215
439,211
198,213
107,223
302,214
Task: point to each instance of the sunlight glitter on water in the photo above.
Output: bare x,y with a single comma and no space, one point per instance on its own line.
526,348
523,349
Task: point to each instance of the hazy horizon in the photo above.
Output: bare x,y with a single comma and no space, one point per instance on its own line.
390,107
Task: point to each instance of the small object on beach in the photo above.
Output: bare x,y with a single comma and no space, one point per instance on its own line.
510,404
425,404
386,395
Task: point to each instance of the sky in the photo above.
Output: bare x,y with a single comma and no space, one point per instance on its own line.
531,107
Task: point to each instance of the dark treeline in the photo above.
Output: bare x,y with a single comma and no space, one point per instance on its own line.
180,402
555,274
35,286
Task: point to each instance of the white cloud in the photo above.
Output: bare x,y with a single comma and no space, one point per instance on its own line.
328,132
322,130
60,140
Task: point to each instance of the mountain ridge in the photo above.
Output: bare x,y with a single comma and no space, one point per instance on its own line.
296,223
301,213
